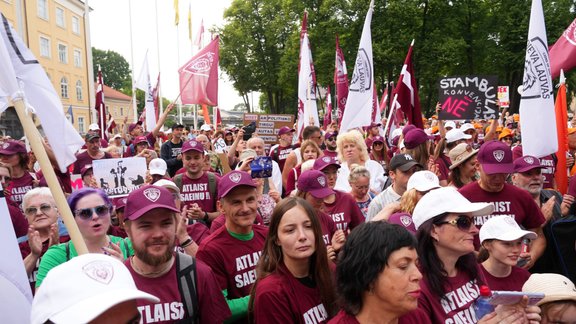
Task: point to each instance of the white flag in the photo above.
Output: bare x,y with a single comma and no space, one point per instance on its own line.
20,71
537,115
307,109
144,84
358,112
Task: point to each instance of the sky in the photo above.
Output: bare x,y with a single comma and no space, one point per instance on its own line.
110,30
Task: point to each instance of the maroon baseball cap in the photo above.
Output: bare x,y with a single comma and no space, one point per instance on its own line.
285,130
140,139
403,219
408,128
120,203
85,169
10,147
133,126
415,137
495,157
377,139
527,163
192,145
373,124
325,161
330,135
146,198
314,182
232,180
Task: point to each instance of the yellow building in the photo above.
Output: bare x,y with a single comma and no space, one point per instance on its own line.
55,32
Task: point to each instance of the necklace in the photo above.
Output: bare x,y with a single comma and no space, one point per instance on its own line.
153,274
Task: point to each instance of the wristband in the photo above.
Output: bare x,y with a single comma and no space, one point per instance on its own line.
186,243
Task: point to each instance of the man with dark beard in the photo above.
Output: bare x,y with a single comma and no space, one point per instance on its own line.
187,288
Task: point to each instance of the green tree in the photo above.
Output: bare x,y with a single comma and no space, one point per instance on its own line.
115,70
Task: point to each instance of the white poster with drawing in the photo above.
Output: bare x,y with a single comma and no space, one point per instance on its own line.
118,177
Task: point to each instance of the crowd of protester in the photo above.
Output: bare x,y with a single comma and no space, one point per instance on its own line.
354,227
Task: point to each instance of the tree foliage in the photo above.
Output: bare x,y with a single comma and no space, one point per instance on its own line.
260,42
115,69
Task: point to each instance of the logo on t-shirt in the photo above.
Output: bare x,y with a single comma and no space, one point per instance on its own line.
152,194
100,271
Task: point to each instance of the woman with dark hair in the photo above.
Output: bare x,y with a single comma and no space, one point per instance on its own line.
379,153
464,168
378,280
91,209
13,153
294,282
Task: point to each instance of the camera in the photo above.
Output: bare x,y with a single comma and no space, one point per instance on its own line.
249,130
261,167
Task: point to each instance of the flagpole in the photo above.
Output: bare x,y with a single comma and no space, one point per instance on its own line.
160,104
34,138
132,59
392,109
89,62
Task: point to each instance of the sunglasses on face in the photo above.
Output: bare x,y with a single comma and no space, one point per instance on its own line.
44,208
463,222
331,139
87,213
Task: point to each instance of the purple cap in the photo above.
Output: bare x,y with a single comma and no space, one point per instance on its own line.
373,124
192,145
133,126
403,219
377,139
285,130
527,163
10,147
232,180
120,203
495,157
146,198
325,161
314,182
415,137
140,139
85,169
408,128
330,135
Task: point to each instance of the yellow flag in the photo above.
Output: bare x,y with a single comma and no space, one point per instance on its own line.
190,21
177,15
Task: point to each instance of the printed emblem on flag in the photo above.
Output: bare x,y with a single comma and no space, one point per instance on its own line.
498,155
322,181
537,82
362,76
235,177
570,33
152,194
529,160
405,220
201,65
101,271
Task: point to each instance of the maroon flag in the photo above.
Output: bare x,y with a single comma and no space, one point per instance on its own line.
328,115
563,52
406,92
376,117
216,115
199,76
341,81
110,126
155,93
100,106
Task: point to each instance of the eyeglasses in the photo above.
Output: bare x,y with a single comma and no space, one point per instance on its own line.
87,213
507,138
463,222
44,208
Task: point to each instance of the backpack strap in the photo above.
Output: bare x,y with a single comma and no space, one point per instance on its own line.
68,251
126,248
178,181
211,185
187,280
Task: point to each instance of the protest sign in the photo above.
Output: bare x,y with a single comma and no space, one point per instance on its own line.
468,97
118,177
504,96
76,181
267,126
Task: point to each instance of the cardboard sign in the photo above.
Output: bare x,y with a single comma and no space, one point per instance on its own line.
504,96
468,97
118,177
267,126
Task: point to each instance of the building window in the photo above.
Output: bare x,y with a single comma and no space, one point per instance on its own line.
42,7
79,90
107,110
77,58
44,47
121,111
63,53
64,87
60,18
81,125
75,25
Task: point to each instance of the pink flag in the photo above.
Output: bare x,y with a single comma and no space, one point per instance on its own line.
563,52
100,106
200,35
406,92
216,115
341,81
328,116
199,77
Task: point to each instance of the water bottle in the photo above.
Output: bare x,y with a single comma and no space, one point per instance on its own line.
482,305
525,248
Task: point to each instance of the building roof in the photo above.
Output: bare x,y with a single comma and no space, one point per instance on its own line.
114,94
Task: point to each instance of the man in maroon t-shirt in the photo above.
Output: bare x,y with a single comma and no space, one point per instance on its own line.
233,250
495,159
330,143
548,163
92,153
151,222
280,152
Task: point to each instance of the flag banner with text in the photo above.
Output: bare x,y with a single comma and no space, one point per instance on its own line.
119,177
468,97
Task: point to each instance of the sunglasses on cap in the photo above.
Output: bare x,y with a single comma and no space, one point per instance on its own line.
463,222
87,213
44,208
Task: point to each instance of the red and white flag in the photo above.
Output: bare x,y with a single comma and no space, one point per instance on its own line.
406,92
100,105
110,126
199,76
157,100
358,111
384,99
307,109
376,114
328,115
200,36
216,115
563,52
341,81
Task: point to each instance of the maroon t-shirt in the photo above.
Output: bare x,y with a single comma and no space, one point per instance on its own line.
443,162
328,227
333,154
281,298
212,307
20,186
344,211
547,172
117,231
415,316
280,153
25,251
19,221
513,282
63,178
232,260
511,201
129,148
83,159
198,191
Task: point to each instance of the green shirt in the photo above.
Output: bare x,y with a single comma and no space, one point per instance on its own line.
56,255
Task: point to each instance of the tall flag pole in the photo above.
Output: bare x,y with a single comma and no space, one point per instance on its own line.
157,91
563,52
341,81
176,13
307,109
134,108
157,99
358,111
199,40
561,107
406,92
537,101
100,105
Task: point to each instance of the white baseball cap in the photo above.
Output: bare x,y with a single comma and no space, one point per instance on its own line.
503,228
446,200
83,288
466,126
167,184
205,128
450,123
117,136
423,181
456,134
396,132
157,166
93,127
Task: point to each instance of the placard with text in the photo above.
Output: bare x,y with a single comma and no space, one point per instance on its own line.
468,97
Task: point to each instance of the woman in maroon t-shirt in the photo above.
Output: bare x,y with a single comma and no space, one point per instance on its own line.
293,278
14,154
